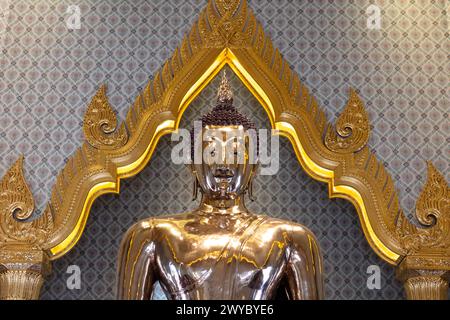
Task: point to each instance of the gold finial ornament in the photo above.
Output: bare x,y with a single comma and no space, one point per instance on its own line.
224,93
100,124
426,268
23,262
352,130
16,207
433,214
15,189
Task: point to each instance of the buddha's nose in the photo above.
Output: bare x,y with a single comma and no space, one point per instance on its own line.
223,172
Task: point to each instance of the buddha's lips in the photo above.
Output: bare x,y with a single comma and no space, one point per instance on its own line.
223,176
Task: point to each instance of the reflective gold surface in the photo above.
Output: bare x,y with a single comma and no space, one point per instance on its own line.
286,129
221,250
227,32
425,271
220,254
341,161
23,262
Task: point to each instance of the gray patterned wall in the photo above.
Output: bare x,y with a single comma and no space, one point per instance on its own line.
49,74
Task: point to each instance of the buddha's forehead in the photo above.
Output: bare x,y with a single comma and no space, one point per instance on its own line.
224,133
229,128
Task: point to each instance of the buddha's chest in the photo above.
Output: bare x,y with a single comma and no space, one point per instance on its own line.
221,264
230,273
221,249
252,243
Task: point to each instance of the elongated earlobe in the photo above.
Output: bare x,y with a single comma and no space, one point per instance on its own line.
195,189
250,184
195,184
250,190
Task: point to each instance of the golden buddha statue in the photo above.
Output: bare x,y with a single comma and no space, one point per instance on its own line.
221,250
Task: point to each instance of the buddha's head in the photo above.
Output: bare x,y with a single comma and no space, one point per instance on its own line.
228,150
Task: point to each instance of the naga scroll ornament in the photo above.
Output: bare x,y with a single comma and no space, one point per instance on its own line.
352,129
433,214
23,261
100,124
16,208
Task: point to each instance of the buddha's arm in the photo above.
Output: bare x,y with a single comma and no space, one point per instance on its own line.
304,269
136,262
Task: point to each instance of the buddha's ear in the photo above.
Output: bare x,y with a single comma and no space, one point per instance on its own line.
195,181
254,173
256,170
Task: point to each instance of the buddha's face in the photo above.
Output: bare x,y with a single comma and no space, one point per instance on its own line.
226,168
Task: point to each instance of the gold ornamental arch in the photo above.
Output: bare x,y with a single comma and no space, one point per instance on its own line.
227,33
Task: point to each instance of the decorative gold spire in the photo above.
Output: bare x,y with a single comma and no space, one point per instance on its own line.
16,207
224,94
352,130
100,124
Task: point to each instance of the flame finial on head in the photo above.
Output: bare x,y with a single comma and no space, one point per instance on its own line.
225,114
224,94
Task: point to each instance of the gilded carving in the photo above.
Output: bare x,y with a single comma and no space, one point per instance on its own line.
20,285
226,20
429,262
227,32
352,129
433,215
426,288
426,267
23,263
100,123
16,208
373,170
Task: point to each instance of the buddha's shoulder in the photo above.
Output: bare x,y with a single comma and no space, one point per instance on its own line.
266,224
291,228
283,224
161,222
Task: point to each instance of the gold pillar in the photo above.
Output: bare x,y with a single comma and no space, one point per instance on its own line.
23,261
427,287
22,274
425,278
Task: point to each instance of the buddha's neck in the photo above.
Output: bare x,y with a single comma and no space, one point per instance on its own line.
220,206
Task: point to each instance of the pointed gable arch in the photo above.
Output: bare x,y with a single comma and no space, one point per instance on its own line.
227,33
